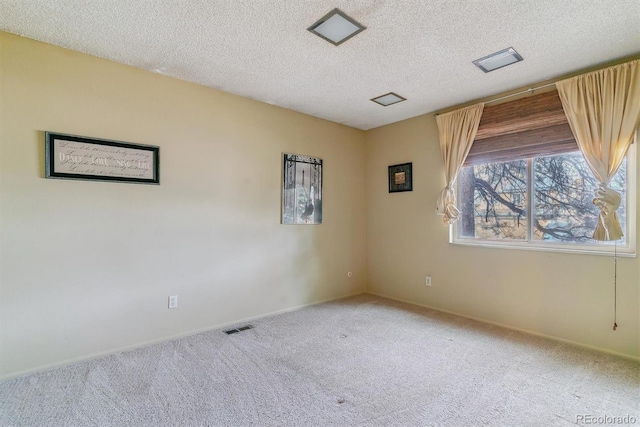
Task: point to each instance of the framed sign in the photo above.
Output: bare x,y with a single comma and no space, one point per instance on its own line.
400,178
79,157
301,190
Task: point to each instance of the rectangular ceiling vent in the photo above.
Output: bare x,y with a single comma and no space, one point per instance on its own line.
240,329
336,27
498,59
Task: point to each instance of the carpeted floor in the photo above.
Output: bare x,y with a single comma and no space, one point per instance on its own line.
358,361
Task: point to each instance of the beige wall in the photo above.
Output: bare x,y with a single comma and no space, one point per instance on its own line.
567,296
86,267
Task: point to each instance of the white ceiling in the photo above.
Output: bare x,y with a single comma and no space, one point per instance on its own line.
419,49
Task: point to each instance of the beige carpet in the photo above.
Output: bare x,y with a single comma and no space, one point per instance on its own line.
358,361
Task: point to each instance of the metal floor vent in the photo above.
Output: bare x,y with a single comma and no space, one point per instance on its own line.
240,329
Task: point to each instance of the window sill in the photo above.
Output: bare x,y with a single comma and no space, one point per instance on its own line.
621,251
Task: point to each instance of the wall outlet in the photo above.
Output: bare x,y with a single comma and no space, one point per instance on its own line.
173,301
427,280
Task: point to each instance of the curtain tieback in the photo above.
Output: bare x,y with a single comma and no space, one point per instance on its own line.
446,205
608,201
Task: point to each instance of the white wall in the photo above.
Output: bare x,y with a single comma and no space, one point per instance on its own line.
86,267
567,296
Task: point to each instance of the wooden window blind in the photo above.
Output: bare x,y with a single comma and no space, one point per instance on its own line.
527,127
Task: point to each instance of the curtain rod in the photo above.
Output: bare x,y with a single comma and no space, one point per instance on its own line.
625,61
515,94
520,93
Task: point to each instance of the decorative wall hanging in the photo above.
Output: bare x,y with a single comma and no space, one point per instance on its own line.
79,157
400,178
301,190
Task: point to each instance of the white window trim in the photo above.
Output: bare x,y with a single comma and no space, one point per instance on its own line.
627,250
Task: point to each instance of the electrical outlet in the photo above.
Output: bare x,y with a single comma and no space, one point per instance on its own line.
173,301
427,281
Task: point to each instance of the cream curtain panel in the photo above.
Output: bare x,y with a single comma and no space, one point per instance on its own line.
457,131
603,110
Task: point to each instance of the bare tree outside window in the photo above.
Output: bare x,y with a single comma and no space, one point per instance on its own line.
564,190
494,198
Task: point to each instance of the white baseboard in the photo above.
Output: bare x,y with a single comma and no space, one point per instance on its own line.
165,339
513,328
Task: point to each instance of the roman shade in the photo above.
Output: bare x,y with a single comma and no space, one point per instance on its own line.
527,127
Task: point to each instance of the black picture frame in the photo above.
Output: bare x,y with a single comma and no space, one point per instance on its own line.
301,189
85,158
400,178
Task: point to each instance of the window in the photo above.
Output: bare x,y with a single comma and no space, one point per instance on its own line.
541,202
525,184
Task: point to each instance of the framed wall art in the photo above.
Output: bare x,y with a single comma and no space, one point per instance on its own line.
301,190
79,157
400,178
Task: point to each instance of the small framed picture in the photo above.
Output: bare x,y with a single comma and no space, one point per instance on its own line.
400,178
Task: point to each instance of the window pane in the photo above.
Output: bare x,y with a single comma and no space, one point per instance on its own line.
563,202
493,201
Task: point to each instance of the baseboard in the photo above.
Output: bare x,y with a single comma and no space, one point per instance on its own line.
170,338
513,328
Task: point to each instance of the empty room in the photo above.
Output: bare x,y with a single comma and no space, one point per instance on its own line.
314,213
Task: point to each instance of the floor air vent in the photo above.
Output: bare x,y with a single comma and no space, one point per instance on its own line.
240,329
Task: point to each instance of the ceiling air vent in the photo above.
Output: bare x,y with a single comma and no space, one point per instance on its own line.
336,27
498,60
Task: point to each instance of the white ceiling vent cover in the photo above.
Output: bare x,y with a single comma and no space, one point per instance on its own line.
498,60
336,27
388,99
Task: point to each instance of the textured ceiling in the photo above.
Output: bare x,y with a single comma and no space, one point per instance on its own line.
260,49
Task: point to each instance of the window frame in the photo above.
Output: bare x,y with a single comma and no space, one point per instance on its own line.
626,250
